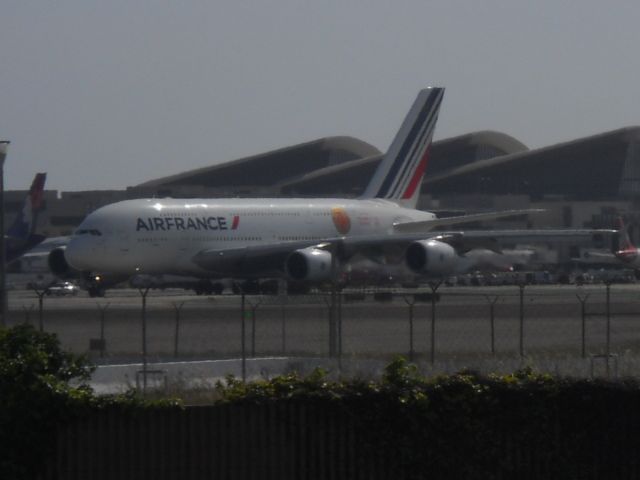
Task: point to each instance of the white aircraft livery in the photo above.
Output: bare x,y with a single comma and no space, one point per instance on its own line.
302,239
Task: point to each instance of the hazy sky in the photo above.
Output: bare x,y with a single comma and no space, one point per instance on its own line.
104,95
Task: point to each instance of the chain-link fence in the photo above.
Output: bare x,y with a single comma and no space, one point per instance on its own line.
571,330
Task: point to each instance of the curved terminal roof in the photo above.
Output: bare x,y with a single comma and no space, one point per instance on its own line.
606,165
269,168
332,165
352,177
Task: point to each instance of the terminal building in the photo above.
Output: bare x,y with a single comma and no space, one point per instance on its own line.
582,183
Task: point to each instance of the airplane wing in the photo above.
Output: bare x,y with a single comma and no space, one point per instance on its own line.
496,239
427,225
464,241
271,258
15,248
248,260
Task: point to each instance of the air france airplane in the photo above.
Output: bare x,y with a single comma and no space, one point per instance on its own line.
302,239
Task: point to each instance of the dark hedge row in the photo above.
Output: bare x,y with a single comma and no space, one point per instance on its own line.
523,425
458,426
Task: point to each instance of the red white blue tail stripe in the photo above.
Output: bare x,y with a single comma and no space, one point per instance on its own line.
399,175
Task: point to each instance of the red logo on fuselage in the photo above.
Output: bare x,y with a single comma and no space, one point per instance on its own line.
341,220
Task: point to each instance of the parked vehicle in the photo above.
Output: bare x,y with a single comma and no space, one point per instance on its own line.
62,289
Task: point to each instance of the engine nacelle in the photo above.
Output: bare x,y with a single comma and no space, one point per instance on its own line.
431,257
59,266
309,264
93,283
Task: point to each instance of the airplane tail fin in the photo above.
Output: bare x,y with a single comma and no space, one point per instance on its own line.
399,175
623,248
625,240
25,222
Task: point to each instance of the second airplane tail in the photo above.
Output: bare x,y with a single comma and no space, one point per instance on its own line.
625,250
399,175
25,223
625,239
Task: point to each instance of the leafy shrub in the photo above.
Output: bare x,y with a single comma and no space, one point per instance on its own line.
35,396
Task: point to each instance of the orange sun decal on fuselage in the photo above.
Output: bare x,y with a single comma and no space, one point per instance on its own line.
341,220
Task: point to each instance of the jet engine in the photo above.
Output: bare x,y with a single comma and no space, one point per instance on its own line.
309,264
59,266
94,284
431,257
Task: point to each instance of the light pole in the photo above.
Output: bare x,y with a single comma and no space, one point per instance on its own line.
3,280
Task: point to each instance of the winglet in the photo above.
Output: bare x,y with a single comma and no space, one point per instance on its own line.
399,174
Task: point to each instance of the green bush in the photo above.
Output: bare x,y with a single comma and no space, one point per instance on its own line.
42,387
35,396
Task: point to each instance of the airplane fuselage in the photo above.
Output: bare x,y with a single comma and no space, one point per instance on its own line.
162,235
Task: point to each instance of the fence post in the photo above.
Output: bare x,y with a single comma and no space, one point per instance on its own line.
329,302
339,331
434,288
334,320
143,295
254,307
492,303
583,313
521,286
103,310
282,294
177,307
332,309
608,287
411,305
242,334
40,294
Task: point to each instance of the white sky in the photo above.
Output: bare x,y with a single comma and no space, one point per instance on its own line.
104,95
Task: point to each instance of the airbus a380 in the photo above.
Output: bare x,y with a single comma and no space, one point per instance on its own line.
301,238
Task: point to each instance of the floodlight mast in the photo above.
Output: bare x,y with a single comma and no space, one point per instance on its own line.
4,145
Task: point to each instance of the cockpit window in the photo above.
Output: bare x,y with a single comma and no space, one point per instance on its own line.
92,231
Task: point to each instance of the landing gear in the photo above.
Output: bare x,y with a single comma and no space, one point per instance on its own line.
95,291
